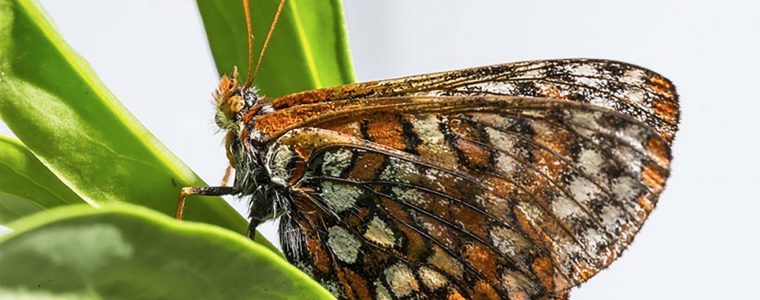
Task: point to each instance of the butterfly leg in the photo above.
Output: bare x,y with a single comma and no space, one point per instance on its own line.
252,229
203,191
227,174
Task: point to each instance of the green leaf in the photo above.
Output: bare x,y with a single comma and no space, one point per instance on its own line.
129,252
27,186
53,101
308,50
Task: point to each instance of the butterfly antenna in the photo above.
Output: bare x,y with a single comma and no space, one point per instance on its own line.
269,36
247,9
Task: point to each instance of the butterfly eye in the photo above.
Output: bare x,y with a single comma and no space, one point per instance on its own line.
235,104
221,119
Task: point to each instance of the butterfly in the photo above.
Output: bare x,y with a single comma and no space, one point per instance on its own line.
513,181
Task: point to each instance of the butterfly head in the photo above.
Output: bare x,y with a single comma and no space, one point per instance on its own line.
237,106
233,102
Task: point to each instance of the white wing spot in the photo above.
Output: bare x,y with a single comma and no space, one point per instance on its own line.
582,70
611,216
401,280
591,161
587,81
586,119
410,195
335,162
343,244
397,170
635,96
593,239
634,77
380,233
427,128
583,190
432,279
277,163
501,139
564,208
445,262
506,164
631,159
634,135
340,196
507,241
625,188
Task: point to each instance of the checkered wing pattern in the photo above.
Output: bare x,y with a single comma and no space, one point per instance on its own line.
479,197
625,88
444,186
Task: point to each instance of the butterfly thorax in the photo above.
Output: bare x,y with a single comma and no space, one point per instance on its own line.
236,110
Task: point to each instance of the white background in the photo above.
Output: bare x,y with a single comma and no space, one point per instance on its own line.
702,240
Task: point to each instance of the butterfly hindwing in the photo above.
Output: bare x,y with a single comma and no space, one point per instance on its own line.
478,197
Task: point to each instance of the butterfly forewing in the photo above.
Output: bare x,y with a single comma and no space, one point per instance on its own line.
462,196
628,89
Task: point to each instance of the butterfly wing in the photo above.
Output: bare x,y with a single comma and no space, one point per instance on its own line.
625,88
474,197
